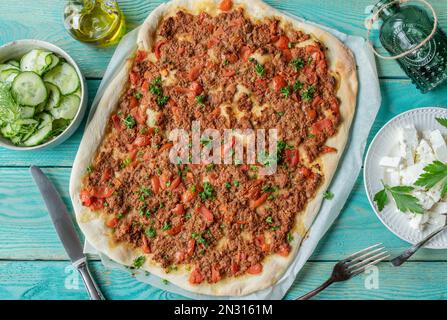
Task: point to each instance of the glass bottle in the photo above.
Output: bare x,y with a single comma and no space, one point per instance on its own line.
98,22
403,28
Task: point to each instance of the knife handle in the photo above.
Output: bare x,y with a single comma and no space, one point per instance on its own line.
90,284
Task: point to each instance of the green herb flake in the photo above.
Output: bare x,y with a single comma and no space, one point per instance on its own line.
90,168
150,232
162,100
138,262
269,220
129,121
328,195
286,91
289,237
298,64
138,95
442,121
227,185
208,191
259,69
201,99
308,94
298,85
166,226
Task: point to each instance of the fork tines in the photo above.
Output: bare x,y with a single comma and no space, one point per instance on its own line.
360,261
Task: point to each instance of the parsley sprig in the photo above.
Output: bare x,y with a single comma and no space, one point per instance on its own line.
434,173
405,202
442,121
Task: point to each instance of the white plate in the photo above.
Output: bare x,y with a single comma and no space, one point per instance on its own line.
385,144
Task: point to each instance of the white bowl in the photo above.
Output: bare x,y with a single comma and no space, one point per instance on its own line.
17,49
386,143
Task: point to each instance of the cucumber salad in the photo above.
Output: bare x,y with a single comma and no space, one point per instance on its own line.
39,97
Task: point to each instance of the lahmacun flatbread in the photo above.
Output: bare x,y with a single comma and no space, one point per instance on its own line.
213,228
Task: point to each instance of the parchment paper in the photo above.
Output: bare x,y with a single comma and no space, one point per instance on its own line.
368,104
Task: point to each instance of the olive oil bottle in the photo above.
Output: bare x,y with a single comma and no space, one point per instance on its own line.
98,22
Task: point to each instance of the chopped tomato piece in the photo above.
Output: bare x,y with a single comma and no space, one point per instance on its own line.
106,175
175,183
175,230
133,102
179,210
134,78
139,115
194,73
310,113
207,214
305,172
229,73
317,102
165,147
260,242
282,43
188,195
324,125
215,275
278,83
226,5
287,54
212,42
157,49
245,53
86,198
191,247
97,204
231,57
292,157
102,192
155,182
284,250
112,223
146,247
140,56
142,141
258,202
195,88
255,269
196,277
117,122
234,268
327,149
145,86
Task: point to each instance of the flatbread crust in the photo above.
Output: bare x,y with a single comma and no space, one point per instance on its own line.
341,62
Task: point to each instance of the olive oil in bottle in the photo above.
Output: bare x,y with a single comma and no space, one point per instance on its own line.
99,22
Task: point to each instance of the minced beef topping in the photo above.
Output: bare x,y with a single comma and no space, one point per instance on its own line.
219,220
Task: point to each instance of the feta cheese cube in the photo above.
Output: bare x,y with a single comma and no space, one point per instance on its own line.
440,207
392,162
408,142
424,152
439,145
425,200
392,177
410,174
418,221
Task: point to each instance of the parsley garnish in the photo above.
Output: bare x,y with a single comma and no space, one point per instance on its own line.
208,191
125,163
150,232
297,64
156,90
166,226
286,91
434,173
236,183
90,168
227,185
129,121
201,99
405,202
269,189
259,68
308,94
442,121
226,62
269,220
165,282
200,239
289,237
328,195
297,86
162,100
138,262
138,95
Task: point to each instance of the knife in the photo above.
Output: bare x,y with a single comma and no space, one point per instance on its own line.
65,230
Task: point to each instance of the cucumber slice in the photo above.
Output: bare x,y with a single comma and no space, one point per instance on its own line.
27,112
36,60
54,96
28,89
54,62
64,77
7,76
14,63
8,67
68,107
78,92
42,131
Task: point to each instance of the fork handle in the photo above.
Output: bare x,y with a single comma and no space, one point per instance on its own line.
314,292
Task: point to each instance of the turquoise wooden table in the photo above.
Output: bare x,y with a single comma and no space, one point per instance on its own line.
33,263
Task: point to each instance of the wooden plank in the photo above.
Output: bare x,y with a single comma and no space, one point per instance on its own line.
398,96
26,19
56,280
26,232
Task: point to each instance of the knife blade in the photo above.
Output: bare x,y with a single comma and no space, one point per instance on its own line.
65,230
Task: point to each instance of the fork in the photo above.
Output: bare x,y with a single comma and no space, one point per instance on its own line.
351,267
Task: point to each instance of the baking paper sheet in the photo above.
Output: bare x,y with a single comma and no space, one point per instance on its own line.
369,100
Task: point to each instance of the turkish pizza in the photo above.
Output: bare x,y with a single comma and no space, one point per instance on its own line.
214,229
